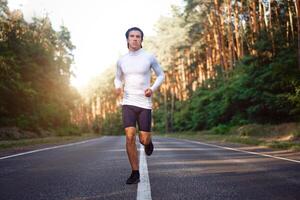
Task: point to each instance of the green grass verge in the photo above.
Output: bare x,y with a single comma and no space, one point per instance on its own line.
11,144
284,136
213,137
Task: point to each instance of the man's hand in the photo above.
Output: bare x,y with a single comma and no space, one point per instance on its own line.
118,91
148,92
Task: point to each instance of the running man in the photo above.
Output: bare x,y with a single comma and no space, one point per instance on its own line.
134,70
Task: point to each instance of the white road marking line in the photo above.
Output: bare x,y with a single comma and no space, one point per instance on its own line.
249,152
143,189
45,149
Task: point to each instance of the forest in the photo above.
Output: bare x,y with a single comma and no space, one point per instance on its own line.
226,63
35,92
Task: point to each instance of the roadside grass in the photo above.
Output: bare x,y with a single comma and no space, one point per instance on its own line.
283,136
57,140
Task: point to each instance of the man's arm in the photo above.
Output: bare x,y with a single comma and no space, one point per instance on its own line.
118,79
160,76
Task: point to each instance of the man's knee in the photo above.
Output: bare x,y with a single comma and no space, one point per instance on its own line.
130,139
144,138
130,135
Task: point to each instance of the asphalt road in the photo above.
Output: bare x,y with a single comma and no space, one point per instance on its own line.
177,170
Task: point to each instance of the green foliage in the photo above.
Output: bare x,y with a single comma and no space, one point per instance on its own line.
112,124
68,130
35,72
261,89
221,129
101,87
158,117
173,35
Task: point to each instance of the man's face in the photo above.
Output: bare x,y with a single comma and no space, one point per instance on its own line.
134,40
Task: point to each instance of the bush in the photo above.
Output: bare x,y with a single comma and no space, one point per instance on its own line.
70,130
221,129
262,90
112,124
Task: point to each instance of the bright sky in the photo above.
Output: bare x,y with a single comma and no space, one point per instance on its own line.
97,27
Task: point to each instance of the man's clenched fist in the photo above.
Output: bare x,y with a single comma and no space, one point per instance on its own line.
148,92
118,91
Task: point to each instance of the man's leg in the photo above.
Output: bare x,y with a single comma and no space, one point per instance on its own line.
131,147
144,122
145,137
129,122
132,155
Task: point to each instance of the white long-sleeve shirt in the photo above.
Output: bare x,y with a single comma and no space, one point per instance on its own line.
134,71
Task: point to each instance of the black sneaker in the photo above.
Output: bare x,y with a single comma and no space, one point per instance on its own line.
149,148
134,178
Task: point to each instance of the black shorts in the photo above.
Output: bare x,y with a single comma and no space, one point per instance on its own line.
133,114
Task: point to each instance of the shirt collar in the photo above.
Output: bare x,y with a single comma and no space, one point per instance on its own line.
134,53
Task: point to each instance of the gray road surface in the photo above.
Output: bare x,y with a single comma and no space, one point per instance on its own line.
178,169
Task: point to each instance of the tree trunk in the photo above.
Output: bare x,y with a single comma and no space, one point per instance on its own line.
166,110
254,26
229,37
218,26
208,57
236,30
261,15
291,21
172,108
271,28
